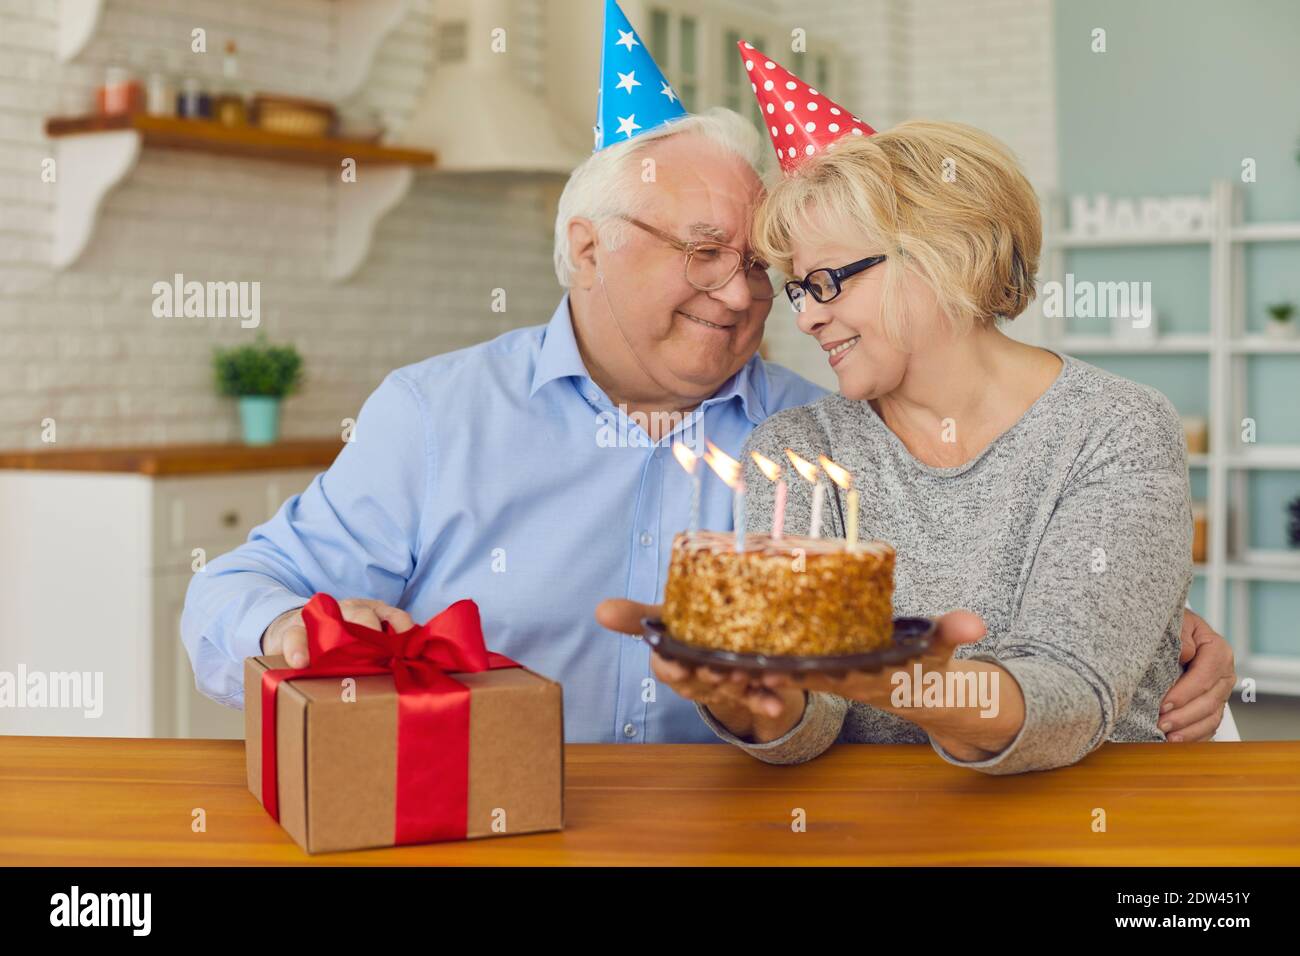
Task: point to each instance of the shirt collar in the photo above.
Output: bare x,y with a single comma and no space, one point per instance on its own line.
749,386
559,358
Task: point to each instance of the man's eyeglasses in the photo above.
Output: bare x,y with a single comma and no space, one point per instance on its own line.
826,284
711,265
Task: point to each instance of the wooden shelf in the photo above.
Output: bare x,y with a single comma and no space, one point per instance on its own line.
178,459
250,142
95,153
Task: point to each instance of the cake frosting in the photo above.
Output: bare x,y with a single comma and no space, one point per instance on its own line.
805,596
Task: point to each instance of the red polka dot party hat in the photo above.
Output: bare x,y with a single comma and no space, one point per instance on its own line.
800,120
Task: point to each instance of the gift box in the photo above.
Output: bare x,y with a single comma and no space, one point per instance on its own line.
394,738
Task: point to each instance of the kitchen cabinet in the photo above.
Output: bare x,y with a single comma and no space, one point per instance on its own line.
96,552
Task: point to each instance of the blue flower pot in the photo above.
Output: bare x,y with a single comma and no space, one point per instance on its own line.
260,417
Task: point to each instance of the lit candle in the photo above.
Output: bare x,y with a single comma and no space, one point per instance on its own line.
852,520
778,511
808,471
691,462
772,471
738,513
728,469
815,521
844,480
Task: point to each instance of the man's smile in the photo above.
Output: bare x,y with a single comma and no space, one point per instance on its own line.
706,324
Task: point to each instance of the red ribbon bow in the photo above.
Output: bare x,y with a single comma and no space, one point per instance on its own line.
432,714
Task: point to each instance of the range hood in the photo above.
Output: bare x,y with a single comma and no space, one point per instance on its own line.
475,114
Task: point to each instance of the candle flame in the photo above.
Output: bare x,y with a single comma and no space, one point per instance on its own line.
805,468
767,466
838,475
685,457
723,465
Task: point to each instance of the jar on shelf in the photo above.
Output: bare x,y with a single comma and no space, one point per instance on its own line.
1200,532
159,91
193,102
228,106
1197,432
121,93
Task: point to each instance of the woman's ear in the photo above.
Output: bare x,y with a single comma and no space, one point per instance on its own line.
584,246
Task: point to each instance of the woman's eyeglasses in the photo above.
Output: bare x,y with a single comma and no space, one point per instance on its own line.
826,284
711,265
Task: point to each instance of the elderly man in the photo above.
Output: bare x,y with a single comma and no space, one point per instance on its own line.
493,472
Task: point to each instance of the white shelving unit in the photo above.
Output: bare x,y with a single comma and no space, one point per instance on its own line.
1231,566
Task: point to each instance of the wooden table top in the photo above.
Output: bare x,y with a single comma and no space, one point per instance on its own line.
119,801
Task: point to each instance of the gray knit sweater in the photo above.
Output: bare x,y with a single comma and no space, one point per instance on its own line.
1069,535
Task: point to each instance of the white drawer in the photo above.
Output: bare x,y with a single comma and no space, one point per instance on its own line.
216,513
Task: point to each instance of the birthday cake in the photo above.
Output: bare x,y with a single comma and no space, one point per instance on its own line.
792,596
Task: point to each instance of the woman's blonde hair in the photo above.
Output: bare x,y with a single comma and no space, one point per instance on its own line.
945,200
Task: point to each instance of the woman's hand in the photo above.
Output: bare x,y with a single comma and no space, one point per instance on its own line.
740,703
1193,707
965,732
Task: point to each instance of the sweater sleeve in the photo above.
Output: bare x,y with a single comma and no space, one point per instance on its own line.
823,716
1105,593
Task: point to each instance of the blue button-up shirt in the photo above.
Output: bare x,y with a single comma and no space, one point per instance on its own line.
501,473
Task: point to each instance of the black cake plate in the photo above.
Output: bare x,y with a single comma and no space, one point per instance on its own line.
912,638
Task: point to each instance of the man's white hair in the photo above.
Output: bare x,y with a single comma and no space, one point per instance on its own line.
602,188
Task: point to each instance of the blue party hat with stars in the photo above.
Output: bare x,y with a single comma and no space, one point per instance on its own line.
634,96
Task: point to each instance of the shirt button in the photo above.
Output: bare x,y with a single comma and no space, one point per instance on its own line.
629,730
647,539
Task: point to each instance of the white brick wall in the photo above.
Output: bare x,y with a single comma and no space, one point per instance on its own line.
989,63
83,347
984,62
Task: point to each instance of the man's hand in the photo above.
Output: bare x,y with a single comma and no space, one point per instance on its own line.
1193,707
288,636
741,704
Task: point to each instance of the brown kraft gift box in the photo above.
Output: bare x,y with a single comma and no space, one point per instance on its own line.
337,760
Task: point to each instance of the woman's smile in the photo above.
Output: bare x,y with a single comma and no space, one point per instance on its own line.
837,350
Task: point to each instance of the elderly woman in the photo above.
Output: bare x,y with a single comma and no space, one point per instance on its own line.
1045,495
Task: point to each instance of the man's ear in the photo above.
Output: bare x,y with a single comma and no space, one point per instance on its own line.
584,247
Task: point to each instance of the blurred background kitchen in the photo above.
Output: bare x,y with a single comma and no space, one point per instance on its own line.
148,144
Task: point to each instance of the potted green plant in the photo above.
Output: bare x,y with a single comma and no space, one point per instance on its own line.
1281,325
259,376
